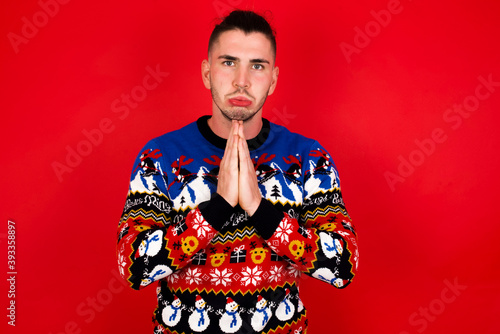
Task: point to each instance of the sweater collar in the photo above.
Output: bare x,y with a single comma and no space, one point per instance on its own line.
220,142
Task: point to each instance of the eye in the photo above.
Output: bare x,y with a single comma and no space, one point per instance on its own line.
257,66
228,62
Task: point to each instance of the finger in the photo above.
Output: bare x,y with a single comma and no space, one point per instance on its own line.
234,151
232,132
229,160
249,196
235,127
244,145
229,143
233,137
241,152
246,152
228,171
246,163
240,130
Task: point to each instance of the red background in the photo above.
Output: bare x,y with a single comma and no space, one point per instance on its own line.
433,225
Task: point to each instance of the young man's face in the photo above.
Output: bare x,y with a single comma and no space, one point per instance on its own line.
240,73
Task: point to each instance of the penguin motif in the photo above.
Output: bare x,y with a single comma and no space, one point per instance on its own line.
285,309
263,171
193,190
230,321
319,174
261,315
199,320
292,177
171,314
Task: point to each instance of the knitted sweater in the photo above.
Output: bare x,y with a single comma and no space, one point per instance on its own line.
216,269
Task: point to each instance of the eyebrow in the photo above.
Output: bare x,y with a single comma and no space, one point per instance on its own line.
232,58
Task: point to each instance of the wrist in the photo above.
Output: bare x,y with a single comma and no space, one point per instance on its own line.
251,210
216,211
266,219
226,198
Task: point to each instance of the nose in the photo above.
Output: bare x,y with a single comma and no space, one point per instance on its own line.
241,79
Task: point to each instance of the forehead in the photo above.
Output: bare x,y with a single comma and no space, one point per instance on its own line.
236,43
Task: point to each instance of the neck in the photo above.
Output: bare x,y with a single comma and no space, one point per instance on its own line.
221,126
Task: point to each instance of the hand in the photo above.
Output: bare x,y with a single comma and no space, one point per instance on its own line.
227,185
249,195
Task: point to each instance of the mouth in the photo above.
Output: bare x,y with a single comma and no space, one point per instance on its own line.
240,101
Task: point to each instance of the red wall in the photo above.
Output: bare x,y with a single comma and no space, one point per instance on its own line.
404,94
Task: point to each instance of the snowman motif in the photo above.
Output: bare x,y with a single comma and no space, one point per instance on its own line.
261,315
230,321
199,320
150,246
300,306
158,272
171,314
331,247
285,309
325,274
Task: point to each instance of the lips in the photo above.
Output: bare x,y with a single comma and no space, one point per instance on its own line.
240,102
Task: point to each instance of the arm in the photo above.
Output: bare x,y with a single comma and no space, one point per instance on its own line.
322,242
153,239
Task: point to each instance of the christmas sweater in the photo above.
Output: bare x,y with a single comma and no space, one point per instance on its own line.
216,269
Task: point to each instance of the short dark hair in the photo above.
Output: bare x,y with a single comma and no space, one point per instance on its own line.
246,21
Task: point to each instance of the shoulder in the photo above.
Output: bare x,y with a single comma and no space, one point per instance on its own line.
169,144
310,149
176,135
283,135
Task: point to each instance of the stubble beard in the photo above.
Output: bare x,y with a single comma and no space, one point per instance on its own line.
236,113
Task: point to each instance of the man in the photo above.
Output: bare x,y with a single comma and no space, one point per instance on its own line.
228,212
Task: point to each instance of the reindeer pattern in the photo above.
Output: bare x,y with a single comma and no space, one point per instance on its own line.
281,179
164,237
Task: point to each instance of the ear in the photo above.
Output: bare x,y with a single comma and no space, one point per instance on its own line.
205,73
274,81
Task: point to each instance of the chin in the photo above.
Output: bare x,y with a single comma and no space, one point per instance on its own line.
239,116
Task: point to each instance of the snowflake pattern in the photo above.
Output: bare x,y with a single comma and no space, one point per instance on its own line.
221,277
305,232
173,277
200,225
284,230
344,234
235,260
275,273
293,271
193,276
158,330
122,262
251,276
